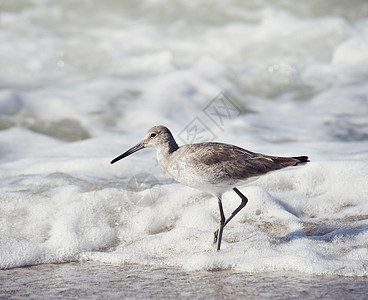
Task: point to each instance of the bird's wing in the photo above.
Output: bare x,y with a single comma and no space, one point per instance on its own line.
235,162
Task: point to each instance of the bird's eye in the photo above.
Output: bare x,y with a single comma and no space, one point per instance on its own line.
153,135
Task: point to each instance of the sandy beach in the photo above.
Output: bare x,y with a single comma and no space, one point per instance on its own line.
89,280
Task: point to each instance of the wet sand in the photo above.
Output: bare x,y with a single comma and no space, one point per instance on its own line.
91,280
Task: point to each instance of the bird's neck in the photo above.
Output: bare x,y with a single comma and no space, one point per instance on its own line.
164,152
172,146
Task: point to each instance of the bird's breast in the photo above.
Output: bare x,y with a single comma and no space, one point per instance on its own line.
191,172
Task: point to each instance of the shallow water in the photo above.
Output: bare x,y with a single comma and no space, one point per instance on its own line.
96,281
82,81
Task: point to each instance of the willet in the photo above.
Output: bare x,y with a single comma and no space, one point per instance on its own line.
211,167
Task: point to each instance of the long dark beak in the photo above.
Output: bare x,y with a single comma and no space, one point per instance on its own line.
130,151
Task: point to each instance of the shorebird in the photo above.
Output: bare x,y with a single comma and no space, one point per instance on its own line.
211,167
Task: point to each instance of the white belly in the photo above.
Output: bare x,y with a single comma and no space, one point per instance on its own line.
199,176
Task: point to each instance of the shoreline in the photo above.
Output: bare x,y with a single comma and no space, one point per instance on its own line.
91,280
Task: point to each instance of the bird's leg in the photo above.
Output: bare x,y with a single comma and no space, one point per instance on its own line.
242,204
218,232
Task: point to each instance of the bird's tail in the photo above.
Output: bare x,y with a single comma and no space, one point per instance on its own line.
302,160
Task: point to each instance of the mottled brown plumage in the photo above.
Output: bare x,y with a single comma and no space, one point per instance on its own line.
234,162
